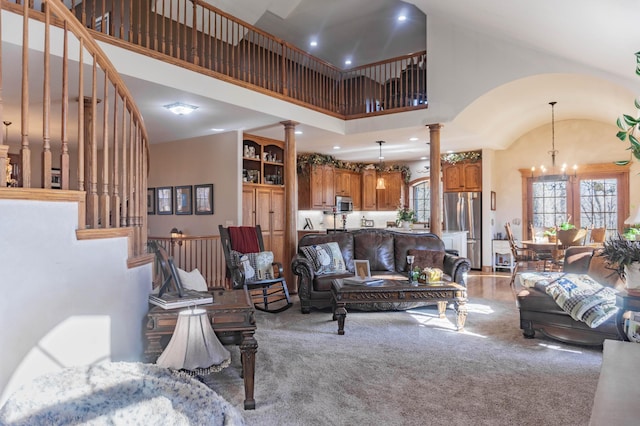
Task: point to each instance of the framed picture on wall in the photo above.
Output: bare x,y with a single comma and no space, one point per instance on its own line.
204,198
493,200
164,200
151,201
183,199
56,178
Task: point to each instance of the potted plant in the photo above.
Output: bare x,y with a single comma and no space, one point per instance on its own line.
550,233
623,255
628,124
406,217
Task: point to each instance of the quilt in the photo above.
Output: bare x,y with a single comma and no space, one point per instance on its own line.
579,295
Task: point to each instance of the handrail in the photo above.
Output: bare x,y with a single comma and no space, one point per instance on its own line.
198,36
110,148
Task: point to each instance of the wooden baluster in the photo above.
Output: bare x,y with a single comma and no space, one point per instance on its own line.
147,12
46,104
115,196
82,107
130,174
194,35
163,36
25,151
104,196
137,185
121,32
125,141
130,21
92,152
104,26
64,113
170,27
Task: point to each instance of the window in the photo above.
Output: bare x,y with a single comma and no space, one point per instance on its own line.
595,197
422,201
598,203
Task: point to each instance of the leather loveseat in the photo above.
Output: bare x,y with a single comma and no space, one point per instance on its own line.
386,252
539,312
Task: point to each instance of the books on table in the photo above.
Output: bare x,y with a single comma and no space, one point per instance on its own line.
362,281
172,300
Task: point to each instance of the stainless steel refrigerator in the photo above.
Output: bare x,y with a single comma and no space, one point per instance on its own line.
463,212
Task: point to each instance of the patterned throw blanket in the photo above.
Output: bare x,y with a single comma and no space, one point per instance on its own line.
577,294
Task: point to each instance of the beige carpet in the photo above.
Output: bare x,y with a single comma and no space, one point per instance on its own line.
412,368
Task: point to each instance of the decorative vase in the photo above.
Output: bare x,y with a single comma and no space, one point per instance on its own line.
406,225
632,276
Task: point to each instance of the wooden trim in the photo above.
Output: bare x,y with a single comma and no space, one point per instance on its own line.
97,234
140,260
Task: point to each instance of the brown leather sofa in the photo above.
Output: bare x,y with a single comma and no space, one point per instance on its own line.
386,251
539,312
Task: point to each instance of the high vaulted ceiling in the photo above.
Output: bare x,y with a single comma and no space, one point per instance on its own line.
592,33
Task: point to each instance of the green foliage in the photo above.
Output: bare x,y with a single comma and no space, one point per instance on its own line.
316,159
565,226
457,157
406,215
628,126
619,251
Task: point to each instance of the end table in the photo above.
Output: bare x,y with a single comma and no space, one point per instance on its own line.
626,301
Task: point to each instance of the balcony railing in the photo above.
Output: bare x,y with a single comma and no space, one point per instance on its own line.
198,36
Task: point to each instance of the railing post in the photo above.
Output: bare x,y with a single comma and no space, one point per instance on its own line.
4,162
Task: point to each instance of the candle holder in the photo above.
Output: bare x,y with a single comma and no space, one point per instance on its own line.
410,259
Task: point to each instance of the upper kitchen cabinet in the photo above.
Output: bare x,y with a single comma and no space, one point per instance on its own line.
316,187
464,176
349,184
391,197
369,196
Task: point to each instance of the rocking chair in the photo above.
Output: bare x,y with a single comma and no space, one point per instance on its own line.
269,293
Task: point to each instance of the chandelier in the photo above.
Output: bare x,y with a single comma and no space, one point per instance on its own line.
380,182
554,173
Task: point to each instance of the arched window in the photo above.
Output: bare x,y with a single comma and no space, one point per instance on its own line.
421,200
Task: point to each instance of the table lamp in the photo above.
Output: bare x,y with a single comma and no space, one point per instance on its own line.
194,347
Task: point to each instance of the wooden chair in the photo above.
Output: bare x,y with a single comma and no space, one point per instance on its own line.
522,256
597,236
269,295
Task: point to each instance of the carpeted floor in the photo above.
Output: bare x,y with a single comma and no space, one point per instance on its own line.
412,368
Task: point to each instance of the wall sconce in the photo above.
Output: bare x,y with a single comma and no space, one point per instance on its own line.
176,236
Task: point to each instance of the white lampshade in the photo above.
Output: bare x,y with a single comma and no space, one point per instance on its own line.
634,218
194,346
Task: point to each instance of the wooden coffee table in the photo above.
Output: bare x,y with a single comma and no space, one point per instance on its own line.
441,293
233,320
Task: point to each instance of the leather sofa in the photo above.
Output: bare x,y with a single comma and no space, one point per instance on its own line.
540,313
386,252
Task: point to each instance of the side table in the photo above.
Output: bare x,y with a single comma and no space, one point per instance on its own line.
626,301
232,318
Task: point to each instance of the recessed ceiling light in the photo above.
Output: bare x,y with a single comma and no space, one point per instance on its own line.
313,43
450,151
424,158
179,108
413,139
336,147
402,18
298,132
217,130
347,62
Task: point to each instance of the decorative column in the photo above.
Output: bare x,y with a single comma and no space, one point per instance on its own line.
291,202
434,181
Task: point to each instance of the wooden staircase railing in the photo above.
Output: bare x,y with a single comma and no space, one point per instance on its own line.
92,136
204,253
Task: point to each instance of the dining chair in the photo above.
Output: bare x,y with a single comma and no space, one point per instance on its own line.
522,256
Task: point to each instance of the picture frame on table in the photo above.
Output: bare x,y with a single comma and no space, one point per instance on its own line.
493,200
183,197
363,270
203,198
151,201
164,200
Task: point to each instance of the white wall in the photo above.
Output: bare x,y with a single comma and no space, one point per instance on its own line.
65,302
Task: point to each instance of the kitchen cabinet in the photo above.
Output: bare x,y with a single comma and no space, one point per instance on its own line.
263,205
391,197
316,189
369,195
464,176
348,183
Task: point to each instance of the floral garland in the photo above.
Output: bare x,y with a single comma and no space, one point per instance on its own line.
457,157
316,159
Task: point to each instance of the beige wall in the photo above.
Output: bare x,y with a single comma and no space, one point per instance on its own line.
208,159
578,141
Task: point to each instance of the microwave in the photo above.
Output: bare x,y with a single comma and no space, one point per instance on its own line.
344,204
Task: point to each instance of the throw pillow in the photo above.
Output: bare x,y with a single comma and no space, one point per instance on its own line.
192,280
427,258
256,266
326,258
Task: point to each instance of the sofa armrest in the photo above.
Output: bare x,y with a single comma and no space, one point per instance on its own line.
303,268
456,267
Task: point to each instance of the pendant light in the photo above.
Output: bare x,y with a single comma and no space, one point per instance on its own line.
554,173
380,181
